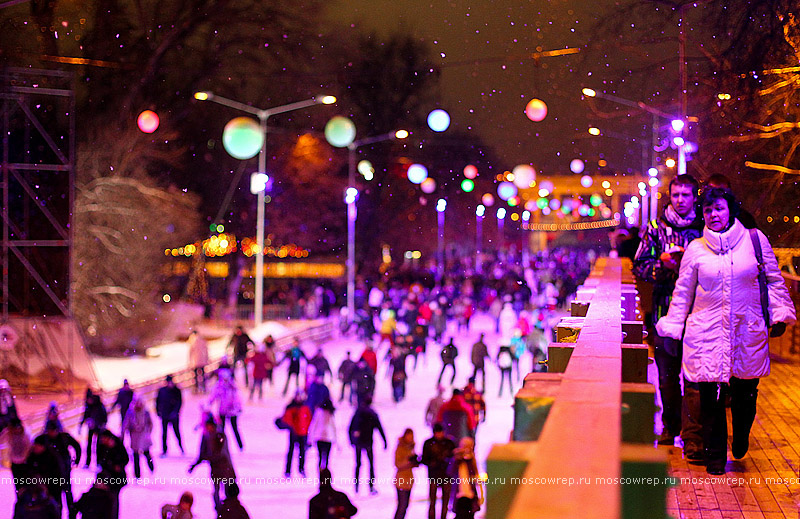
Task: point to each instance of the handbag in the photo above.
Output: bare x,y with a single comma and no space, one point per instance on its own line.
762,276
280,424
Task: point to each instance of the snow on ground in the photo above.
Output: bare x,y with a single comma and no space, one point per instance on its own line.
260,465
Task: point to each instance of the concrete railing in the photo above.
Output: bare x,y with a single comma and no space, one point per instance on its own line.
583,431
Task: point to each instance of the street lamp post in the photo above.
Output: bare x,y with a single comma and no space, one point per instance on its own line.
263,115
480,211
352,211
441,205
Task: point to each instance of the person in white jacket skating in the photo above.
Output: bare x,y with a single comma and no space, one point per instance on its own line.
322,431
716,308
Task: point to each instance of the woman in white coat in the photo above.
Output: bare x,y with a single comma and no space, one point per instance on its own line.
322,430
725,343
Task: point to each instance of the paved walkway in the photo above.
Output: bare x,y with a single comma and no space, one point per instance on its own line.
765,484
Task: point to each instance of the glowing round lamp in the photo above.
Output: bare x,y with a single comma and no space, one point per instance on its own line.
487,199
541,203
438,120
501,213
506,190
605,212
536,110
586,181
545,210
417,173
365,167
595,200
555,204
467,185
576,166
147,121
524,176
547,186
242,138
526,215
653,172
513,201
470,171
530,205
428,186
340,132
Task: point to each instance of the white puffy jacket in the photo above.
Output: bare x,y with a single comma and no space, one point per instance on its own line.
718,283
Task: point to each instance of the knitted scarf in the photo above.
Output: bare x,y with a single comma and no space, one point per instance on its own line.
677,220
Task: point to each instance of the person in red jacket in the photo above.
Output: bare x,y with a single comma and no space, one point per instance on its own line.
457,417
370,358
297,417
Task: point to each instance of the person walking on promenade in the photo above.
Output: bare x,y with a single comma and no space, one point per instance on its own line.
198,360
468,490
322,431
658,261
505,361
168,407
214,450
347,370
139,425
448,354
95,418
61,442
728,298
297,419
478,355
263,362
240,343
361,431
229,405
294,356
183,510
457,417
437,452
329,502
434,404
405,460
123,401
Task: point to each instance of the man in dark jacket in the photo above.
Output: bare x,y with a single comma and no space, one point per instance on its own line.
97,502
346,371
362,428
658,261
449,354
329,502
44,462
168,407
478,356
95,418
436,454
33,502
123,401
231,507
241,344
112,457
321,365
363,382
60,443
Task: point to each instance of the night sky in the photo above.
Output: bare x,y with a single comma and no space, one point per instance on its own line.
489,97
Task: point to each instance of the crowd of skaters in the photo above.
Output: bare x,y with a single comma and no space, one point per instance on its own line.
407,320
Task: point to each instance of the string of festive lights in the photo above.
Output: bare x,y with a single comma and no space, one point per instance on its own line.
579,226
223,244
